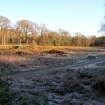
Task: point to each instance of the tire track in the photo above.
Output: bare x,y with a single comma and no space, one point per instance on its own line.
42,71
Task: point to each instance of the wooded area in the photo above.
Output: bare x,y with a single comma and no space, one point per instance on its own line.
28,32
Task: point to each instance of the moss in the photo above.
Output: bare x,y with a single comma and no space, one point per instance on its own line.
4,86
23,100
5,95
5,98
40,100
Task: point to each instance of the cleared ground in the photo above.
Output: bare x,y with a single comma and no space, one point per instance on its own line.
65,76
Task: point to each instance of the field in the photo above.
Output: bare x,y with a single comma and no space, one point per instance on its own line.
45,75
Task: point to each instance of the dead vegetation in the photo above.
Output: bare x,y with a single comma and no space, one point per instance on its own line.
54,80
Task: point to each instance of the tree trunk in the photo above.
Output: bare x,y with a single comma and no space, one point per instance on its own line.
20,42
4,40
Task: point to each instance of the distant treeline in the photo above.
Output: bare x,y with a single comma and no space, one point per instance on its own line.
28,32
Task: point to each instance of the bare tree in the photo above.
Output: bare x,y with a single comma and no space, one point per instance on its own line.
4,25
35,32
26,27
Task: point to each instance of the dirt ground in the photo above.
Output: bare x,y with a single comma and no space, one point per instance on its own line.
71,78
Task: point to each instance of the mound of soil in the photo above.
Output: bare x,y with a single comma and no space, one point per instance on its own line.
23,52
57,52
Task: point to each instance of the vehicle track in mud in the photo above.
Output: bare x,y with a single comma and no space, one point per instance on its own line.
85,62
38,80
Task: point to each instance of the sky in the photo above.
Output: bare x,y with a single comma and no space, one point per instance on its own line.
83,16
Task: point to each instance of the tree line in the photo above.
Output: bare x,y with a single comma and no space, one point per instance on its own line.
28,32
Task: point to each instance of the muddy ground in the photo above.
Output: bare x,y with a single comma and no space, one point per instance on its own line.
73,78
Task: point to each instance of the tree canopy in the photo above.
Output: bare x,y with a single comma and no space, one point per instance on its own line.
28,32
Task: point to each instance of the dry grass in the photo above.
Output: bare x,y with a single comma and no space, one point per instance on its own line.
44,48
21,54
12,58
